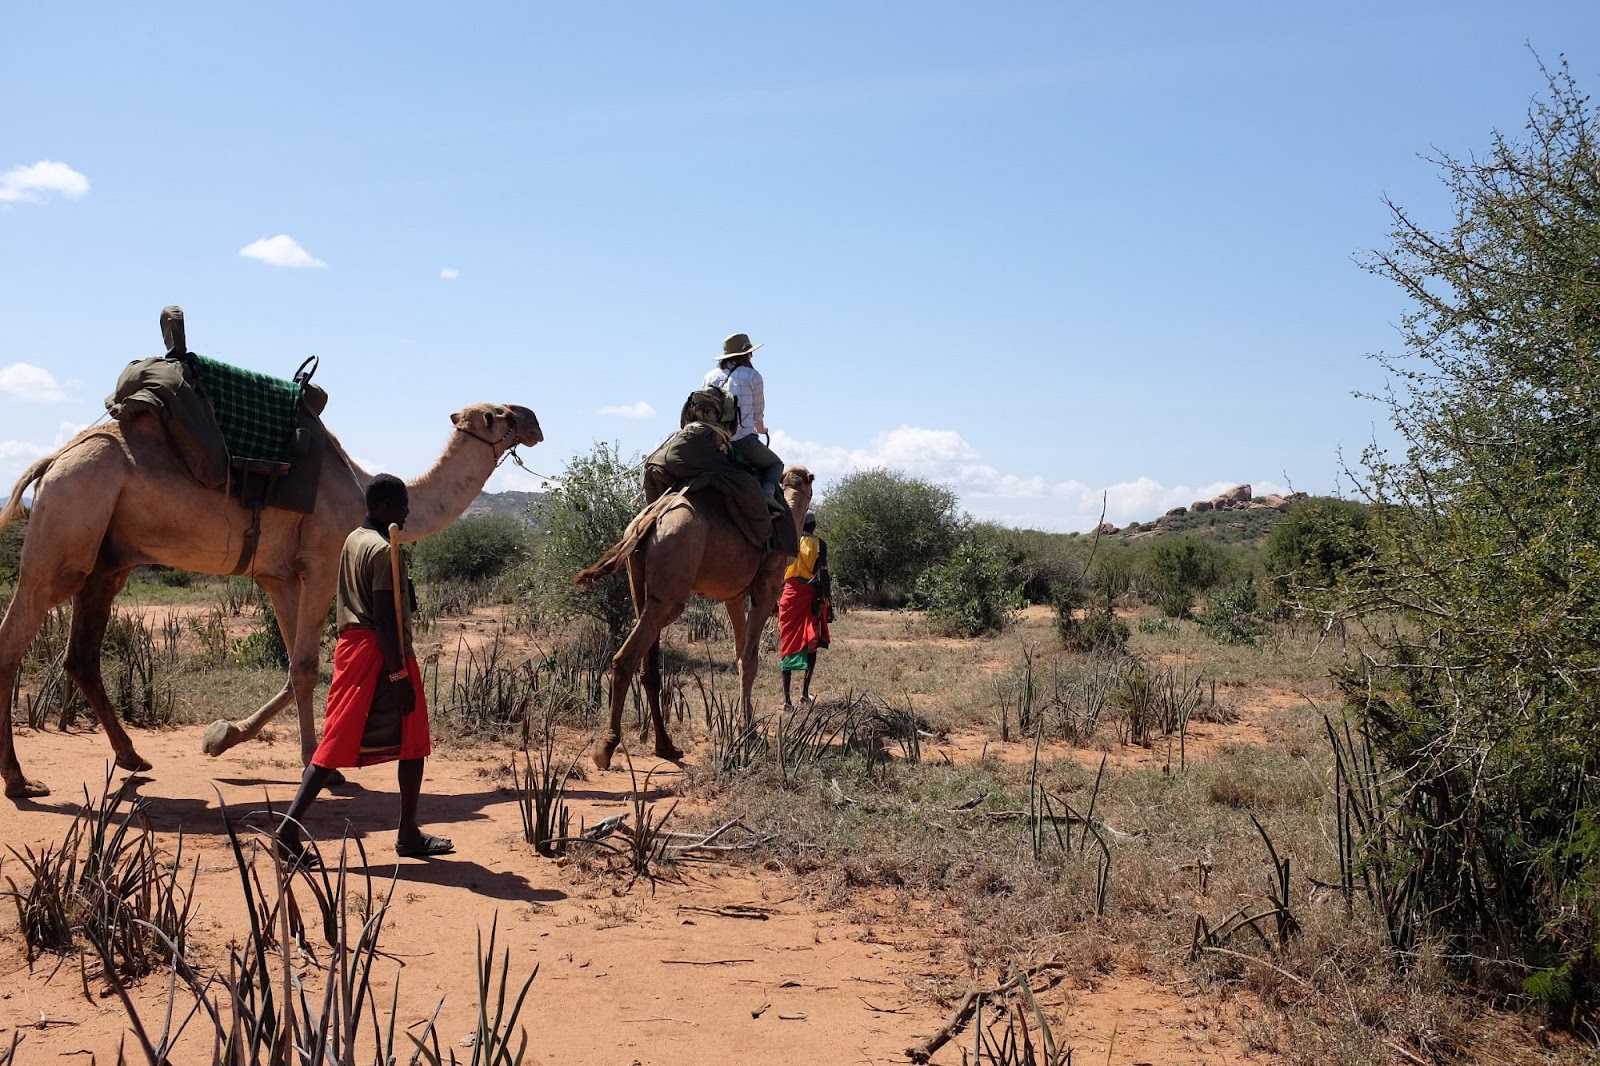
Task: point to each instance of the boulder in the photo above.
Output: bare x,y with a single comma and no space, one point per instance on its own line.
1107,529
1200,505
1177,512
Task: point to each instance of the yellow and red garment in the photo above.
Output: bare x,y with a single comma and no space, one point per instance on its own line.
801,629
357,662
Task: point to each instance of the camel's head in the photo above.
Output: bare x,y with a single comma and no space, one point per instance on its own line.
796,483
501,426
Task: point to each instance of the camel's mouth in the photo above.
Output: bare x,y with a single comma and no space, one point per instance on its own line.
526,423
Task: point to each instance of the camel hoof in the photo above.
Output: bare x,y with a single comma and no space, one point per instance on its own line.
131,761
25,789
668,751
220,736
602,753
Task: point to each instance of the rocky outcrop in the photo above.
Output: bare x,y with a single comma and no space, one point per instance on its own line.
1239,494
1238,498
1235,499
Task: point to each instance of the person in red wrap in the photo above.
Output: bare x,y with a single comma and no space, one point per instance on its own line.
804,610
376,708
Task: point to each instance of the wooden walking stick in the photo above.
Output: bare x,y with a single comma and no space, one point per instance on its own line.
399,595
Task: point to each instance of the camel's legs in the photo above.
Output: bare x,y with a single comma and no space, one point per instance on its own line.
740,623
665,749
301,606
31,602
91,611
763,601
624,664
315,595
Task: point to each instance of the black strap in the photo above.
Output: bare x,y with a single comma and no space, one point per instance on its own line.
252,537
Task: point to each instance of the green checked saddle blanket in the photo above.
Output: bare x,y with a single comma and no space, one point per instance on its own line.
256,413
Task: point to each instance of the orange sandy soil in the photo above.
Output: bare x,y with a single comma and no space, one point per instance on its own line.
645,977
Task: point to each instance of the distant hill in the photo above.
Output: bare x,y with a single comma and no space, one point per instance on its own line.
1235,527
524,506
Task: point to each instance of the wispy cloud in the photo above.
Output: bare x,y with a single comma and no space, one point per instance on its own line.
637,411
944,457
280,251
449,273
29,184
31,384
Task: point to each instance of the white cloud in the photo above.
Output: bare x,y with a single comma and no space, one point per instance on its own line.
15,455
449,273
280,251
28,184
67,430
24,381
637,411
20,449
944,457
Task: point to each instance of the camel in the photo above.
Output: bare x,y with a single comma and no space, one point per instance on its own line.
117,496
678,546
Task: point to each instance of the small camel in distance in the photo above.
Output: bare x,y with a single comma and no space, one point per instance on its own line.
679,546
116,496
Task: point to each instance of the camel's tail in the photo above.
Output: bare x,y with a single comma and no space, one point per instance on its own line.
616,556
14,507
35,473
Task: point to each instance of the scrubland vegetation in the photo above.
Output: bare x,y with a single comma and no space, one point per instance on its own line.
1400,863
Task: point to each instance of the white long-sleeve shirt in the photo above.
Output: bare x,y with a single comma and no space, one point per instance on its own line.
744,382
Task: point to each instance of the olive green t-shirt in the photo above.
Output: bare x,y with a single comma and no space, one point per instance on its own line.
364,577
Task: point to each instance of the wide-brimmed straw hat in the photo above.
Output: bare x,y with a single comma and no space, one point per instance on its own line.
737,344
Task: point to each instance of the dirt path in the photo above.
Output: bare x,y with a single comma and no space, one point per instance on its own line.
648,978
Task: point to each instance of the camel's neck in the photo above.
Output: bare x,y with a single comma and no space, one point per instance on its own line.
439,496
798,503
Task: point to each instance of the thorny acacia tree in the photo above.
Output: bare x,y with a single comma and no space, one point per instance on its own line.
1486,702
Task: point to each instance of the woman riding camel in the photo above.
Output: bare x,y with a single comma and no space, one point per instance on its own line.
735,374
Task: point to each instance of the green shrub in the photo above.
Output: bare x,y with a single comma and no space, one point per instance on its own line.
473,549
1314,552
1234,616
11,538
1098,630
1484,711
1036,561
970,595
586,514
1179,569
884,529
1160,627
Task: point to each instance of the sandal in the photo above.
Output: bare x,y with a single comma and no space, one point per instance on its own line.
424,847
298,855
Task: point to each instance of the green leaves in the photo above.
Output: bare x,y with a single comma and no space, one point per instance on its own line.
1485,693
884,529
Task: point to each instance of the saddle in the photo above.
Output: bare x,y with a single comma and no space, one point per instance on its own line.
697,457
255,437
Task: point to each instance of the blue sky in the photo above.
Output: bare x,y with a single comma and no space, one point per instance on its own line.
1037,252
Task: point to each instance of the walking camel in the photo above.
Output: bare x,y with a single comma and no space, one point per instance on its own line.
117,496
678,546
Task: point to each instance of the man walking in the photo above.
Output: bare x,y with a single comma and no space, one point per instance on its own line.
376,708
803,610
